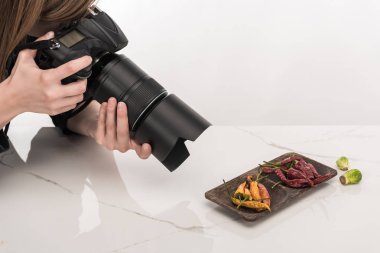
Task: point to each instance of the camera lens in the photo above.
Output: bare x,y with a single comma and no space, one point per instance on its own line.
117,76
155,117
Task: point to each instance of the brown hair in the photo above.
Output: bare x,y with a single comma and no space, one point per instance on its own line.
20,16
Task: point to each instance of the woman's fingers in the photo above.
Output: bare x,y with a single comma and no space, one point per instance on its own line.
146,151
122,131
73,89
70,101
143,151
113,129
70,68
31,53
111,124
101,129
28,55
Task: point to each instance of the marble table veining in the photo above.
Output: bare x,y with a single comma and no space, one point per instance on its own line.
67,194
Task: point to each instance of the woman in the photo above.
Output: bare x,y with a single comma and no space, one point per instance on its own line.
26,88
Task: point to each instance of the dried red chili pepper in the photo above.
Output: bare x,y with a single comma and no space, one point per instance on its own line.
267,170
264,194
297,183
281,175
313,170
295,172
323,178
302,166
290,159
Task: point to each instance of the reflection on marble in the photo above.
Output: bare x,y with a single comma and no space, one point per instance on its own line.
67,194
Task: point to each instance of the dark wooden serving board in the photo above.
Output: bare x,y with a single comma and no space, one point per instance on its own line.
281,195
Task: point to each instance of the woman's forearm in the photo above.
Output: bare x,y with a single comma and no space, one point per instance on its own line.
85,122
8,107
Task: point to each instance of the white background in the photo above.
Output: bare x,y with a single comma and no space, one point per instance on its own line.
248,62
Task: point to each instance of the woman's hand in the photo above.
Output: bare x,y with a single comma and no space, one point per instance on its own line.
113,131
41,91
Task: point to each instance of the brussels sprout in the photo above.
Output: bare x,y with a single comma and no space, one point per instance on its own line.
342,163
351,177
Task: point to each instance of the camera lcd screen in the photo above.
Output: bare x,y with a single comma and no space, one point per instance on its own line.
71,38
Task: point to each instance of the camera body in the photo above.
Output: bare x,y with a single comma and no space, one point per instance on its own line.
155,116
95,35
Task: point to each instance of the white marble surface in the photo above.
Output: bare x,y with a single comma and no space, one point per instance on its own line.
60,194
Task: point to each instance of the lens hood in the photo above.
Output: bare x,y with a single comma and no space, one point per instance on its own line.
168,126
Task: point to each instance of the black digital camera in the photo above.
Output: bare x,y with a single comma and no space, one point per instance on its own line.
155,117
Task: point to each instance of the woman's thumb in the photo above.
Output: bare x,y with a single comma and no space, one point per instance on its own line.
31,53
47,36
